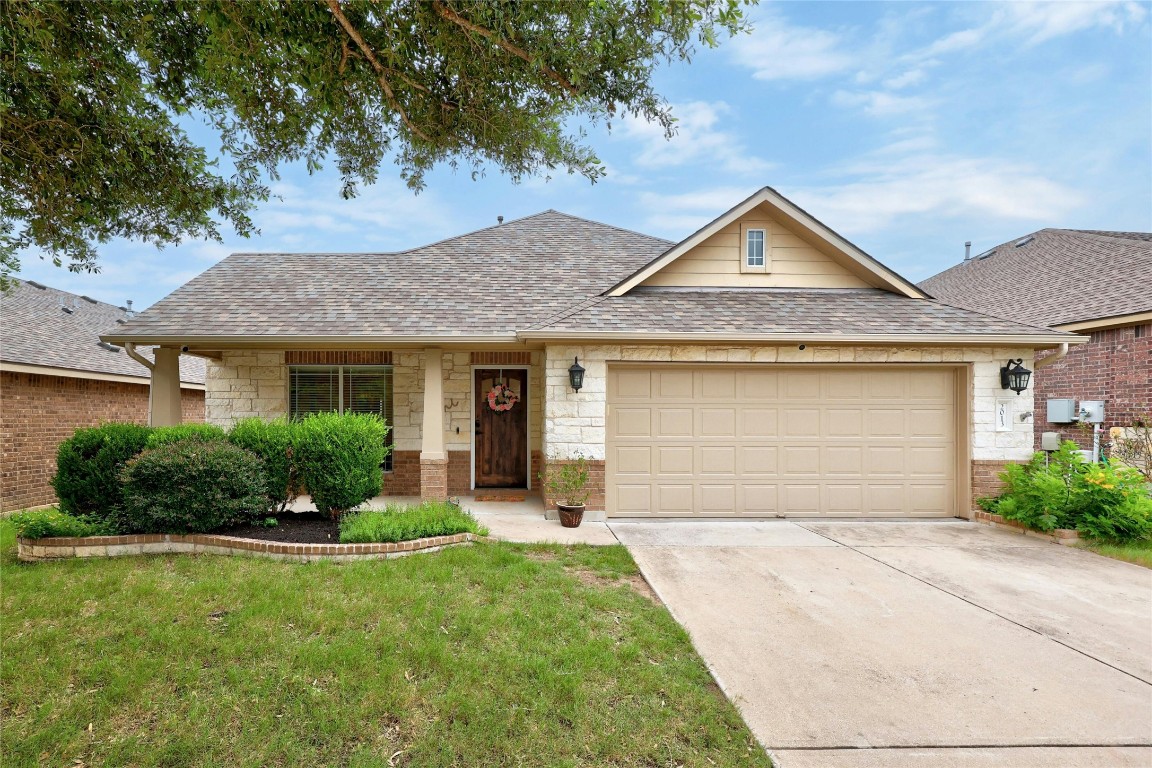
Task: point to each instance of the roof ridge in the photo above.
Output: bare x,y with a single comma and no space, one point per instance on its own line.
994,317
609,226
37,285
567,312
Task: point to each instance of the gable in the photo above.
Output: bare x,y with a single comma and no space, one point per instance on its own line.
799,252
790,261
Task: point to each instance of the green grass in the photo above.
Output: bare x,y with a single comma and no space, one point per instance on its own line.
487,655
404,523
1138,552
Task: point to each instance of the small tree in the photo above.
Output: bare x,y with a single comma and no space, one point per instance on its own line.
1133,445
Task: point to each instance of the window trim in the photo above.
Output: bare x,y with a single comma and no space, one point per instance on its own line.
746,230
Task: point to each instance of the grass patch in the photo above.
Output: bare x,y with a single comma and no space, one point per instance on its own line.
493,654
1138,552
400,522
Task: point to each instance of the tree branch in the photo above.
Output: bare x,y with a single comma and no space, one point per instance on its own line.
515,50
381,71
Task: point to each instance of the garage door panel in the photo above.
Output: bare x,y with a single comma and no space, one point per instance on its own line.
762,441
632,422
674,460
716,422
718,460
674,422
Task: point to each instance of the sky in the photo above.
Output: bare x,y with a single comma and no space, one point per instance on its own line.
907,127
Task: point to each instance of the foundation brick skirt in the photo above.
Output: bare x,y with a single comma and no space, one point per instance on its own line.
434,479
986,477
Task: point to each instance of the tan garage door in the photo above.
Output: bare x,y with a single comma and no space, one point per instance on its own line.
765,441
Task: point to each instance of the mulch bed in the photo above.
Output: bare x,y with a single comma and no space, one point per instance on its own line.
293,528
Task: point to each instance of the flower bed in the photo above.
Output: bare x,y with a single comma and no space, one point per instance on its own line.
58,548
1065,536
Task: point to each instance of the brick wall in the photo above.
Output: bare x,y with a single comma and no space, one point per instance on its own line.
986,478
404,479
1116,367
595,487
38,412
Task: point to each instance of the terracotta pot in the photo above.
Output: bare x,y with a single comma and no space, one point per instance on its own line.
571,515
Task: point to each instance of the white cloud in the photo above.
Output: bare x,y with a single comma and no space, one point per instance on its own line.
777,50
882,191
880,103
678,215
1045,21
704,133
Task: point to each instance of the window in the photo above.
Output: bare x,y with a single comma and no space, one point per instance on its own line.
754,253
343,389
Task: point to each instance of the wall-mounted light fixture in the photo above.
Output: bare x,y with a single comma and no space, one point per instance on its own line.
576,375
1015,376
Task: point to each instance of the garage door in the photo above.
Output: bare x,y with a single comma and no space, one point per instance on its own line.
770,441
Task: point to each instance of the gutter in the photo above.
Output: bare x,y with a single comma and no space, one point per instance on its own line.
1031,340
1050,359
130,348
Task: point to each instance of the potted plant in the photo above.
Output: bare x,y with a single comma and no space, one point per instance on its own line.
567,486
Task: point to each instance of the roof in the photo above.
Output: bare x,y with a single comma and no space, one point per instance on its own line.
545,275
37,331
797,217
489,282
827,313
1054,277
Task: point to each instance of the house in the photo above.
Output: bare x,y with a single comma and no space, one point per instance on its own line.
762,366
57,376
1087,282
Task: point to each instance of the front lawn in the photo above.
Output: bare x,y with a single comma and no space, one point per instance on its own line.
1138,552
487,655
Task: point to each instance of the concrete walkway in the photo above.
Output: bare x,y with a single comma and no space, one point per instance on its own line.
924,644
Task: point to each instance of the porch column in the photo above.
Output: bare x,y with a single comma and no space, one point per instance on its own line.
433,459
164,394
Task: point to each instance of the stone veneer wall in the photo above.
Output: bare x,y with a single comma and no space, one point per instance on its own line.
575,421
244,384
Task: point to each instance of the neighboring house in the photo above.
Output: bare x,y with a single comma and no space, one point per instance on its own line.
762,366
1089,282
56,376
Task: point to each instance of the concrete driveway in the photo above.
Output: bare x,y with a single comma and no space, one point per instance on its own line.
924,644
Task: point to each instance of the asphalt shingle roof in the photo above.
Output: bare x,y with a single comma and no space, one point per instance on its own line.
1058,276
846,312
492,281
37,331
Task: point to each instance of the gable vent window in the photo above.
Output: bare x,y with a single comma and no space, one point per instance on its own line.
754,251
342,389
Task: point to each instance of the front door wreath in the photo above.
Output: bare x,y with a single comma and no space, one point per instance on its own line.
502,398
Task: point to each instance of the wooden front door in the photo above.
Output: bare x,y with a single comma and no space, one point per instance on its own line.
501,435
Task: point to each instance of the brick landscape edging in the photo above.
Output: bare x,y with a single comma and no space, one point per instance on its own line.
33,550
1065,536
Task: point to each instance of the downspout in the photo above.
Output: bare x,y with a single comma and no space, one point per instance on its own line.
130,348
1050,359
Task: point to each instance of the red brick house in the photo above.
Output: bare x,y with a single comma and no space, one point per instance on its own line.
1084,281
56,376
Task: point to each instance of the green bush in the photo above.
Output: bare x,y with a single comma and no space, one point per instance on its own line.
88,466
272,442
338,458
46,523
1063,491
192,486
401,523
202,432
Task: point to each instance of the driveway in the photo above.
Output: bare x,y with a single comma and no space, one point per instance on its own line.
924,644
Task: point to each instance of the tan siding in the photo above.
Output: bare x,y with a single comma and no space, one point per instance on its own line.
793,261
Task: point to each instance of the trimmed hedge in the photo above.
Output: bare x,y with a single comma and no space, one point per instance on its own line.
88,467
192,486
165,435
338,458
272,442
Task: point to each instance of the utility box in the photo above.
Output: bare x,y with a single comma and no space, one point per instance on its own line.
1092,411
1049,441
1062,411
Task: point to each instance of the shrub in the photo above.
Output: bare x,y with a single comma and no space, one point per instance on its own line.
192,486
272,442
338,458
1099,500
567,483
202,432
46,523
88,466
401,523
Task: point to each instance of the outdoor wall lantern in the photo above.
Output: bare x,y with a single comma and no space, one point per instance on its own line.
576,375
1015,376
